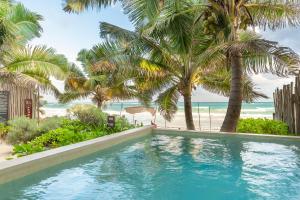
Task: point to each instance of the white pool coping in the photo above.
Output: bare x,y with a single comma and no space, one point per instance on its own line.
214,133
20,167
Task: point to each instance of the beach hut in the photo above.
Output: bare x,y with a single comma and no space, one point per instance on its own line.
16,101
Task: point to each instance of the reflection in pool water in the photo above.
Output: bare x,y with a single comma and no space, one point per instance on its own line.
171,167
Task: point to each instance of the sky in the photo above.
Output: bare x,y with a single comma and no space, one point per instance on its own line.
69,33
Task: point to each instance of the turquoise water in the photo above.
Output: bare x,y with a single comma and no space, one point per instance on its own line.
170,168
263,108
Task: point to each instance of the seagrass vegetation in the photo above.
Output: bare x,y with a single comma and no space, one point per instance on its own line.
178,45
20,63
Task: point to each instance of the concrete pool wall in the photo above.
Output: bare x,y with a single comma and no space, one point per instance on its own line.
251,136
20,167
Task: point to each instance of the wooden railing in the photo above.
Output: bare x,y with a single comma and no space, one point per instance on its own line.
287,105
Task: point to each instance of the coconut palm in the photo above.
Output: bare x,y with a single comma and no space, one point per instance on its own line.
33,67
226,21
101,79
229,18
21,64
176,69
17,24
185,52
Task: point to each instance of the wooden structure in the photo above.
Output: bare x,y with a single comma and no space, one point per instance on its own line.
287,105
17,101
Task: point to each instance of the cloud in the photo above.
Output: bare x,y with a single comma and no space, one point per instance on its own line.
288,37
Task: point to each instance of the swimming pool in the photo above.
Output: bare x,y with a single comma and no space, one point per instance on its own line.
172,166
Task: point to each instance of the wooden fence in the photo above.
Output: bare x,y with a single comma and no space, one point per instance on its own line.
287,105
20,101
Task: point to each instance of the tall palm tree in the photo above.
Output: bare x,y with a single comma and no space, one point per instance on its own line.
225,21
21,64
229,18
154,18
174,68
101,79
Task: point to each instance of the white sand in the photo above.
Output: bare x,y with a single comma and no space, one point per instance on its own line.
207,123
5,151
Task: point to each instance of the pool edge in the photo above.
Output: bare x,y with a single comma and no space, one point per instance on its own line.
243,135
20,167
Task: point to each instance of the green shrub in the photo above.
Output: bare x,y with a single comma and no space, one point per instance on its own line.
88,114
262,126
50,123
55,138
121,124
22,130
3,130
70,132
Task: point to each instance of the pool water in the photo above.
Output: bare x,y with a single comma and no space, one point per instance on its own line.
171,167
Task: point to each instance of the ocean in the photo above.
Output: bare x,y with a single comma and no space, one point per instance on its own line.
207,115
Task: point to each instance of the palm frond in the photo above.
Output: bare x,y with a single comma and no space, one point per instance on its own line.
80,5
70,96
219,82
264,56
38,58
167,102
26,23
274,14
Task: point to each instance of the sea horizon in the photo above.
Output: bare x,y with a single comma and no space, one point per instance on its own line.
206,114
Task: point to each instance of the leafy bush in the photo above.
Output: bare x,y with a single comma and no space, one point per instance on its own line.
55,138
51,123
121,124
88,114
3,130
262,126
71,131
22,130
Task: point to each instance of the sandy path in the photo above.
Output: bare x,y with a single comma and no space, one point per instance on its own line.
5,151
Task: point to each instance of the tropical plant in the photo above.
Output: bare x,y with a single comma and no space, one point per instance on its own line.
3,130
21,64
71,131
88,114
177,68
228,18
22,130
50,123
262,126
175,26
165,67
102,80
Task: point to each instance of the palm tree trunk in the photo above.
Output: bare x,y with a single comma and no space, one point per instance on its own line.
236,94
99,104
188,110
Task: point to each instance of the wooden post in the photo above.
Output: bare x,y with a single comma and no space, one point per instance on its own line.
287,105
121,109
209,118
199,117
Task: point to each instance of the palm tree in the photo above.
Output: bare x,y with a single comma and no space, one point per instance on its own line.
174,69
229,18
185,52
21,64
101,79
33,67
226,21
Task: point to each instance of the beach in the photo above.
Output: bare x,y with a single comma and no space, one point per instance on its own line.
207,115
5,150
